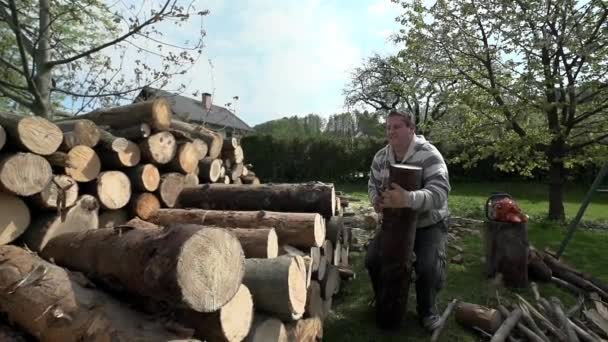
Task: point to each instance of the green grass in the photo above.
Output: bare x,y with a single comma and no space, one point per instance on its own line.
353,320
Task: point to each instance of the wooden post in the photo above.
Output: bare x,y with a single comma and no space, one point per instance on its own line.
396,250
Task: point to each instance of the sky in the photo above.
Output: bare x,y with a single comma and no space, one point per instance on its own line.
286,57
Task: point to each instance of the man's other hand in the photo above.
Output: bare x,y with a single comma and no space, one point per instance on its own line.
396,197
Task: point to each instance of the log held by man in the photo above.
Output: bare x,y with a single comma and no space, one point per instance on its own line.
397,245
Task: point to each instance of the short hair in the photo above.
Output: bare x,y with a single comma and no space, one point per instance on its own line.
405,116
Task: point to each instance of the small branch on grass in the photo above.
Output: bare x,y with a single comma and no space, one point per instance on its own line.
443,320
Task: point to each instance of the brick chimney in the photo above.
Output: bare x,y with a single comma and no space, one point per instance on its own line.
206,99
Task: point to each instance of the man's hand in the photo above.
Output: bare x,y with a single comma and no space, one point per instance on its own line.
396,197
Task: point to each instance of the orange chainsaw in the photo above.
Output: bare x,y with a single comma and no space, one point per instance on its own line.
502,207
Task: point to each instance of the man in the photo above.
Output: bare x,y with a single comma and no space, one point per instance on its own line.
430,202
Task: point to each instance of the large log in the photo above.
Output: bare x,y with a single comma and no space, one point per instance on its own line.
506,246
14,217
314,301
231,323
111,142
186,158
330,283
112,188
266,329
80,217
178,264
473,315
129,156
158,148
32,133
24,174
278,285
144,205
396,242
213,140
305,197
11,334
135,132
156,113
209,169
54,305
171,184
296,229
334,226
258,243
144,177
305,330
78,132
565,273
80,162
61,192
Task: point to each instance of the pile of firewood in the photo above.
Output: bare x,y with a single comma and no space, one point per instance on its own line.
192,236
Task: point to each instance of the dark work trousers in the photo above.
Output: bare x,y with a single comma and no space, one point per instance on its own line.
430,265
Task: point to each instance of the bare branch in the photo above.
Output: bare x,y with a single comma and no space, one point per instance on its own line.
578,147
11,65
14,96
15,27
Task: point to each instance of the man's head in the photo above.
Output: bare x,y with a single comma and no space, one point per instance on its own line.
400,128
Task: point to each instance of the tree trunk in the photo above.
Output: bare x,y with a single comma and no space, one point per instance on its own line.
24,174
128,157
32,133
113,218
171,184
472,315
266,329
80,163
144,205
112,188
14,217
61,192
258,243
56,305
209,169
296,229
136,132
506,246
144,177
80,217
556,190
156,113
159,148
397,244
213,140
278,285
186,158
305,330
231,323
78,132
305,197
177,264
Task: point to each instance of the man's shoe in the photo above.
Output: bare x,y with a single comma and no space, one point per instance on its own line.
431,322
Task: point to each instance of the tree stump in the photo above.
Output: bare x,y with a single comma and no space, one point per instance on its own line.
506,249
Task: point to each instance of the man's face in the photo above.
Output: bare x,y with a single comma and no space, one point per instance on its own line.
397,132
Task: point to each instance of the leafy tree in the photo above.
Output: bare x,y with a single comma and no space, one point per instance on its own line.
52,49
532,79
292,127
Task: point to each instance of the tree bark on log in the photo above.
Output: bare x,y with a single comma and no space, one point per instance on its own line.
128,157
209,169
159,148
81,163
537,269
335,225
24,174
213,140
305,197
171,184
61,192
32,133
191,179
296,229
144,205
178,264
314,301
78,132
112,188
135,132
330,283
231,323
144,177
278,285
564,273
112,143
258,243
55,305
82,216
156,113
11,334
396,242
506,246
2,137
186,158
473,315
266,329
113,218
14,217
305,330
250,179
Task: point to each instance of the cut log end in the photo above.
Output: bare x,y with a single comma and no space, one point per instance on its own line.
14,217
159,148
144,177
241,305
39,135
113,189
24,174
205,287
144,205
297,285
130,155
161,114
61,191
266,329
83,164
171,185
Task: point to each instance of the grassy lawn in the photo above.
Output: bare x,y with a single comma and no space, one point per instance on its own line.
353,320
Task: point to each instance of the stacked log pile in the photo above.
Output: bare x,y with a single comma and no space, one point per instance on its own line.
150,214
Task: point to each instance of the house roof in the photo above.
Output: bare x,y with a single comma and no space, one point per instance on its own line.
189,109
